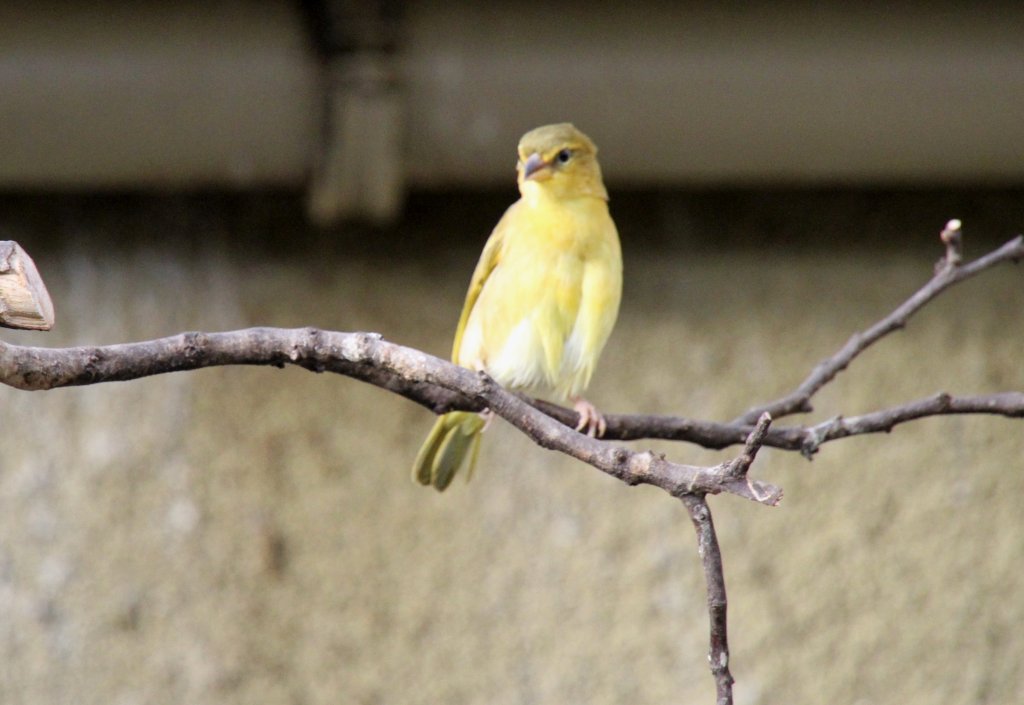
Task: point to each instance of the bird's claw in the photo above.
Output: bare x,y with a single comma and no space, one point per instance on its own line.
591,420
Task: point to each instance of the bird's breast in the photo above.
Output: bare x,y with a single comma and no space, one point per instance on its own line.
545,311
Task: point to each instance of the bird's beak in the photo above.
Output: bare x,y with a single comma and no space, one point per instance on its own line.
536,168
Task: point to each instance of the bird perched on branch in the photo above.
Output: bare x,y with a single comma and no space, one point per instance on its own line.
544,295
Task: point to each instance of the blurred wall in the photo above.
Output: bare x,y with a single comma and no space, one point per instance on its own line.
228,93
115,95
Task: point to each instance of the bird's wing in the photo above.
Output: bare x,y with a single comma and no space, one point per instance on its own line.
489,259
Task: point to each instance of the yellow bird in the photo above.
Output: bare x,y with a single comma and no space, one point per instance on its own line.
544,295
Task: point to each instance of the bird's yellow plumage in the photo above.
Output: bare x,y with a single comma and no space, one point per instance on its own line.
544,296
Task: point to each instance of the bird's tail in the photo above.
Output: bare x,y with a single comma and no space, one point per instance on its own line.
454,436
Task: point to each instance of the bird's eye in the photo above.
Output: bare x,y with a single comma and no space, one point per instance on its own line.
563,156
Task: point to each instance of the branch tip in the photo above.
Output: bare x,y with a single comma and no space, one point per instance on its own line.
755,439
953,226
769,495
952,238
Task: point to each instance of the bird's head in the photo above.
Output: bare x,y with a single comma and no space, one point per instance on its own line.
560,160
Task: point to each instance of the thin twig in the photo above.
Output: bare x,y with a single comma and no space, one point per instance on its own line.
950,272
714,578
807,439
718,435
711,560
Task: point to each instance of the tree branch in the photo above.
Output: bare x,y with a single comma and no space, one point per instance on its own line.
442,386
804,438
711,561
949,271
714,577
364,356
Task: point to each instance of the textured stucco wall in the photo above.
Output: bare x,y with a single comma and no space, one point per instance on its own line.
251,535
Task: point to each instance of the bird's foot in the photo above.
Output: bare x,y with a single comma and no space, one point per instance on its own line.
591,420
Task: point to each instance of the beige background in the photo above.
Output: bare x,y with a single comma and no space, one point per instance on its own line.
251,535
